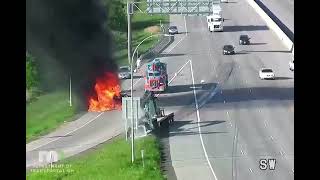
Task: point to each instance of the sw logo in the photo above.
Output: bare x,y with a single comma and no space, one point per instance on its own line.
267,163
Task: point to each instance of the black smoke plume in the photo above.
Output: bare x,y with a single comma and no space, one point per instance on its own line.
69,37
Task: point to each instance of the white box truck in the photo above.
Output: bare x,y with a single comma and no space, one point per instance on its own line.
215,21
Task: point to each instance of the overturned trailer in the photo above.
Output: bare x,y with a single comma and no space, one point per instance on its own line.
147,117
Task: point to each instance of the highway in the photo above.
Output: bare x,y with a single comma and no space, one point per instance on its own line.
223,126
246,119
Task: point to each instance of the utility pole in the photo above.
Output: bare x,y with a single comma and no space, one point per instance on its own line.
130,60
129,14
70,95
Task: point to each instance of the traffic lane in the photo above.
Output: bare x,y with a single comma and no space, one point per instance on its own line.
277,60
189,163
63,130
233,35
187,156
284,10
179,21
253,140
239,93
265,44
106,126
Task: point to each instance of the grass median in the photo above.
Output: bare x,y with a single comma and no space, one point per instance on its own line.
111,161
47,112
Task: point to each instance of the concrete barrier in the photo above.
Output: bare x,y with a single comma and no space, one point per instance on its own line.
272,25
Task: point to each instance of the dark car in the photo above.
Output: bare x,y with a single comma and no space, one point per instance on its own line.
244,40
228,49
173,30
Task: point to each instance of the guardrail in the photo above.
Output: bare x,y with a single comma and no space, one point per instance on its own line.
273,23
161,45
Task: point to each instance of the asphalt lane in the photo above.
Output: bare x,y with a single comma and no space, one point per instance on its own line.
247,119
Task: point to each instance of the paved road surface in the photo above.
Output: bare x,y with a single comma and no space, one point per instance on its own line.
247,119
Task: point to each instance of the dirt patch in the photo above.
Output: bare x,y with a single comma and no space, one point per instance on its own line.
152,29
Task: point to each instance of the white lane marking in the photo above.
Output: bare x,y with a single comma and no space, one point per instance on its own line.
199,127
69,132
271,138
176,44
135,83
265,123
185,25
175,74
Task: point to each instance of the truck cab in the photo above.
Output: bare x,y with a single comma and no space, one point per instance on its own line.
156,77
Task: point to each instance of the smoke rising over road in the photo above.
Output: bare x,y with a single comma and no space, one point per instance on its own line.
69,38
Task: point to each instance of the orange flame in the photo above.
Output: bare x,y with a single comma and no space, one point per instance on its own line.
107,90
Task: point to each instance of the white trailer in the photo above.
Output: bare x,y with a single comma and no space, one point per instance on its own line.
215,21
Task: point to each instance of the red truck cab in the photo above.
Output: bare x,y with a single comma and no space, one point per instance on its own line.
156,77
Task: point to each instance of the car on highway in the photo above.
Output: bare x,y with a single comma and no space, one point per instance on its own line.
228,49
173,30
291,65
266,73
124,72
244,40
224,1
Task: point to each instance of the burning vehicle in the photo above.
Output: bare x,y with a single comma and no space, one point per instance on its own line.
107,94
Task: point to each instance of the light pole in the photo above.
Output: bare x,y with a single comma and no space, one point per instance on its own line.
132,122
70,95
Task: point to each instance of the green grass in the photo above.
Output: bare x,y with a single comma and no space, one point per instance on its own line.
140,21
47,112
112,162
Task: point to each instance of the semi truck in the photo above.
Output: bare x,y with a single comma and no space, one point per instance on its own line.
156,76
215,20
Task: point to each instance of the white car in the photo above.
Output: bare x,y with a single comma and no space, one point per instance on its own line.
291,65
266,73
224,1
124,72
